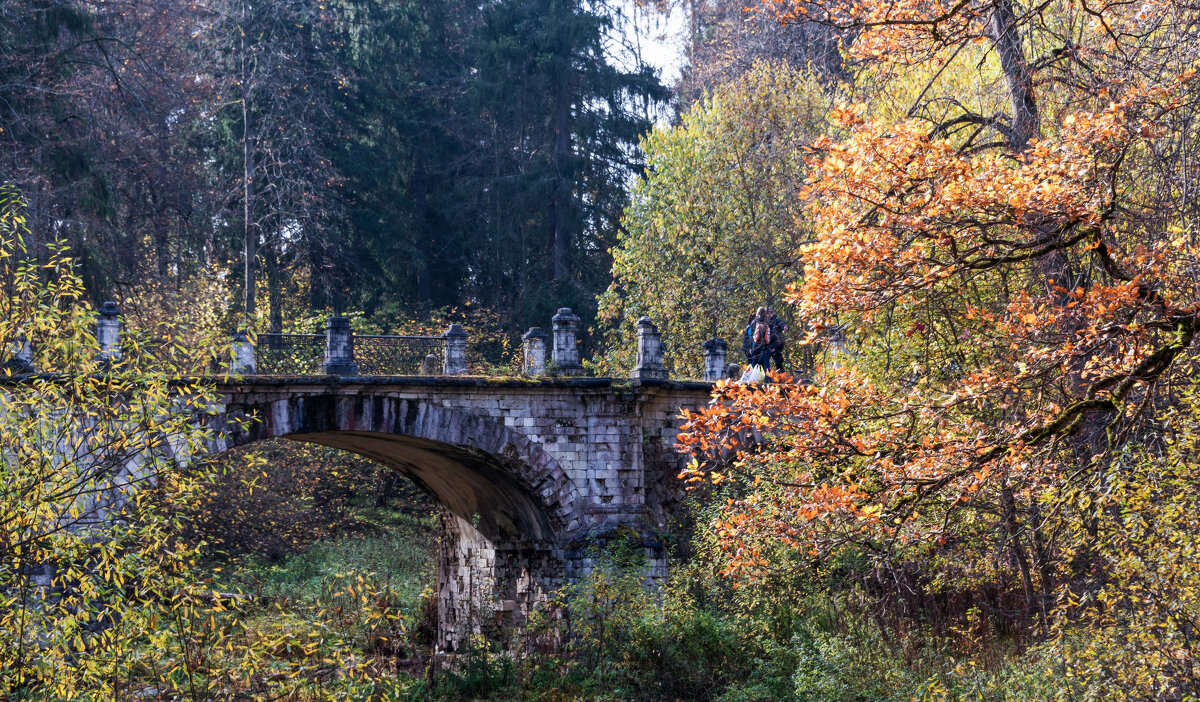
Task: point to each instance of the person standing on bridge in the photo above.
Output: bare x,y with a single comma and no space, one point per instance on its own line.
748,339
755,344
776,329
759,334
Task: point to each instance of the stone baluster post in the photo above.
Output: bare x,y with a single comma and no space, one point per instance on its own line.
243,362
535,351
715,351
835,345
649,352
108,333
339,347
565,353
454,362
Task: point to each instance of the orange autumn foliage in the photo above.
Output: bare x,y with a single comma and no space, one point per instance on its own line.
1022,310
906,221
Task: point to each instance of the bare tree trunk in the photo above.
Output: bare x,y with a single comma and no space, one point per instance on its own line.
318,285
250,232
1026,120
425,240
559,235
1033,603
693,32
274,285
37,216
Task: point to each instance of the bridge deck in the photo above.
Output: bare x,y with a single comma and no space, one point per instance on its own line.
456,381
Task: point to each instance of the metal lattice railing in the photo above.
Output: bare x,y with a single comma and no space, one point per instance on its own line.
304,354
290,354
396,355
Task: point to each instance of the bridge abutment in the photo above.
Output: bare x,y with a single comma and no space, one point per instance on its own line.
487,587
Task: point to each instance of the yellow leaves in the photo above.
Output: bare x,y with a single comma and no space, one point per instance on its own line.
64,438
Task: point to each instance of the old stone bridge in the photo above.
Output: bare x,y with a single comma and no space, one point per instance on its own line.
530,474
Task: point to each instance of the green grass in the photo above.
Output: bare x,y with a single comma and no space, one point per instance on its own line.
345,618
395,547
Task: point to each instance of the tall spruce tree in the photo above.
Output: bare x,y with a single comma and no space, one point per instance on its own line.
491,155
560,123
403,234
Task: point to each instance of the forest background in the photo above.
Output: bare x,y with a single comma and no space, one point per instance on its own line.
984,490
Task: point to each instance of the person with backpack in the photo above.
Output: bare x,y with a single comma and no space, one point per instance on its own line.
754,345
775,350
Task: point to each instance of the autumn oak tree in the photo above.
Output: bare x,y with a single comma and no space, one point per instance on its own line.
1007,238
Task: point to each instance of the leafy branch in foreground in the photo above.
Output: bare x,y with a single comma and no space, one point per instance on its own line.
91,468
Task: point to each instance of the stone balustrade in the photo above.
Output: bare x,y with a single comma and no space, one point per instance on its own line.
543,355
335,353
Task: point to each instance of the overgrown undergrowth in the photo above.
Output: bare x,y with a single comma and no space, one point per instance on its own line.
348,614
700,638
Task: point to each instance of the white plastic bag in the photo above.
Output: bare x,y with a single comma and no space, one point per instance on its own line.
753,374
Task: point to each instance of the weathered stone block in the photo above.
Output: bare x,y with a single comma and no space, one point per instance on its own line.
339,347
566,348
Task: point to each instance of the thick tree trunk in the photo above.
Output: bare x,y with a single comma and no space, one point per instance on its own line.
1026,126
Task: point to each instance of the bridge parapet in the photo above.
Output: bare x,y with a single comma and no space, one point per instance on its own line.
341,352
272,354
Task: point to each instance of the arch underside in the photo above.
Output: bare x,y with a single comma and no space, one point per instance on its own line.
473,485
515,524
505,502
483,472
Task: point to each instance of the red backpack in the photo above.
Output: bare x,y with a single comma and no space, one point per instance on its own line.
762,334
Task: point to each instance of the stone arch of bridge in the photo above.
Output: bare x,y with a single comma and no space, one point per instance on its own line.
506,503
502,482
